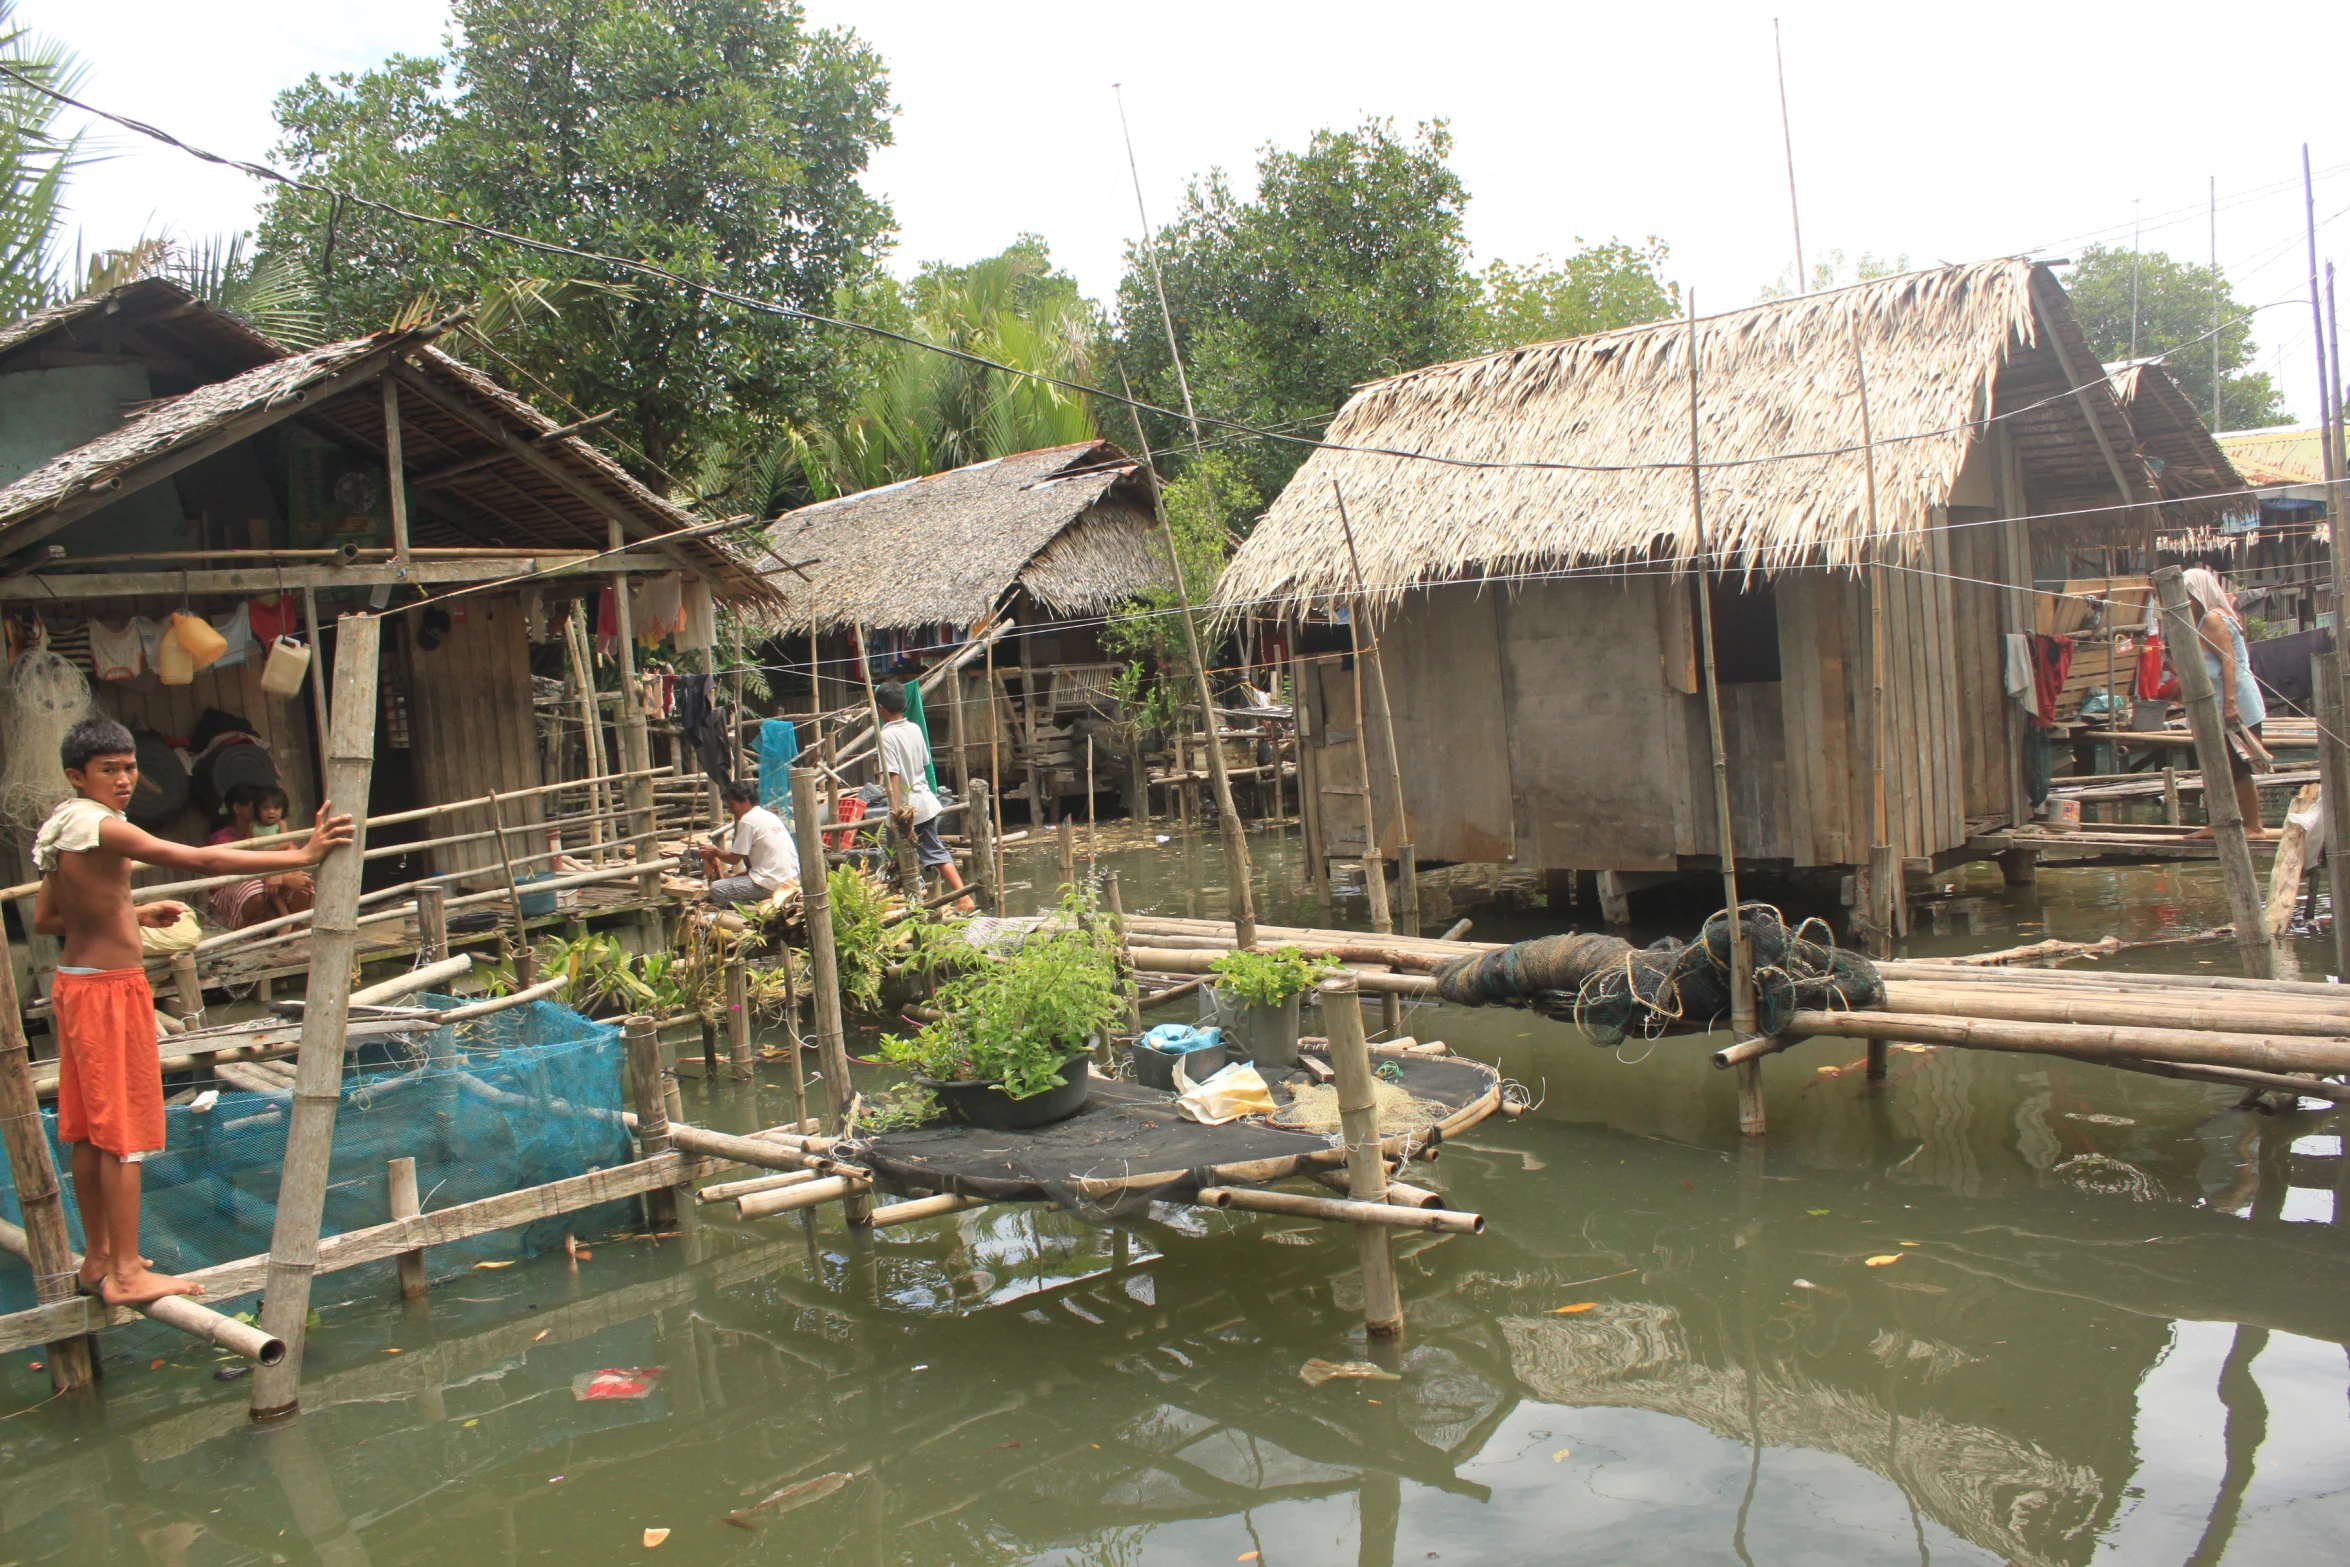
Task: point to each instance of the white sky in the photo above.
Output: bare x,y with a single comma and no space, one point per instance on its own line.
1944,135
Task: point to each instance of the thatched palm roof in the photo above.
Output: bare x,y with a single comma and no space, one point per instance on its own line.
1071,524
2190,467
491,495
151,314
1944,349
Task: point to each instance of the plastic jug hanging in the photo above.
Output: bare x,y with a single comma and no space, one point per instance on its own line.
289,661
195,633
174,664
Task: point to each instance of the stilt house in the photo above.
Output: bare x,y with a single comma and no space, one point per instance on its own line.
1531,571
1029,550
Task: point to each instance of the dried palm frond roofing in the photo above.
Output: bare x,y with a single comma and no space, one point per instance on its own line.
2190,467
1072,524
491,495
1944,349
150,313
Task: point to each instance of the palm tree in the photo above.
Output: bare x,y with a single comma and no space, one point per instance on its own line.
35,162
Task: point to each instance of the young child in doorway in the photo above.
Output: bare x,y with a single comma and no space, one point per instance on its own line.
256,820
110,1080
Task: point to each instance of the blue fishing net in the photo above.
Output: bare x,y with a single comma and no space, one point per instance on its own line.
514,1099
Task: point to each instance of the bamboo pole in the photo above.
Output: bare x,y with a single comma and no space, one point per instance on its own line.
406,1204
816,899
1366,1162
334,940
1309,768
738,1018
1118,929
1401,1195
923,1208
318,670
983,850
583,675
1750,1101
2333,756
1406,857
1065,841
1379,1217
636,746
173,1311
395,474
1884,868
2255,1052
2157,1009
33,1172
790,1199
728,1191
523,958
2245,905
1374,854
1092,830
794,1041
641,1037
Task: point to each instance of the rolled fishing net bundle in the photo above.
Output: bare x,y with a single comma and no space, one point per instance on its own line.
42,696
1613,990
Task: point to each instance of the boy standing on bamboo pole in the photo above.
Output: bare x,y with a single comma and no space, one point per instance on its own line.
109,1076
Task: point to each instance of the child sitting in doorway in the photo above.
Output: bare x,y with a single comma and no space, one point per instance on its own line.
257,816
110,1080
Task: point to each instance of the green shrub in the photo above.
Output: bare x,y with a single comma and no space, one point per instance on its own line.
1266,979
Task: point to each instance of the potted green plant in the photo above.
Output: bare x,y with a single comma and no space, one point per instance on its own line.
1254,1000
1008,1049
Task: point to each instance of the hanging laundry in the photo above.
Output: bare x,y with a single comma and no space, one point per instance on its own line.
2019,681
151,640
271,618
2052,660
701,615
913,690
779,745
704,725
236,630
607,622
664,605
2154,683
116,652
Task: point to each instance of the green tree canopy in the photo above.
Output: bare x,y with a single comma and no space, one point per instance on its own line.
1597,289
722,139
1349,263
1834,269
2173,313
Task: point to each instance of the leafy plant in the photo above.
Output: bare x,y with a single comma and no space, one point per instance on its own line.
1014,1020
899,1107
860,941
1266,979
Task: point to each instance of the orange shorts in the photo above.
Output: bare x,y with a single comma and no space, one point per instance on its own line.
109,1073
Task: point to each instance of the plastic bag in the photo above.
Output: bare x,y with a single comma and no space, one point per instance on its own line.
181,935
1235,1091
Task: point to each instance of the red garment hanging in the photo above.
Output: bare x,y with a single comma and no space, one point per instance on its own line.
2052,660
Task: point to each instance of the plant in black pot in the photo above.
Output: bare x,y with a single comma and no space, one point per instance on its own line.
1008,1049
1254,1000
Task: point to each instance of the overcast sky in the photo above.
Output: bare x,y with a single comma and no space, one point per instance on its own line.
1943,136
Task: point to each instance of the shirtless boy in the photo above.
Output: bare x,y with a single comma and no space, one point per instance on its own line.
110,1076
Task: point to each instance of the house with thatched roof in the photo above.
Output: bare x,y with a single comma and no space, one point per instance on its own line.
1931,445
1023,553
185,462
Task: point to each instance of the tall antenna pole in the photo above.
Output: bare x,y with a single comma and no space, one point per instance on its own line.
1787,139
1741,957
2217,423
2134,233
1236,860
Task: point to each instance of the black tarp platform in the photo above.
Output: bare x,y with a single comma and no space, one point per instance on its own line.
1129,1145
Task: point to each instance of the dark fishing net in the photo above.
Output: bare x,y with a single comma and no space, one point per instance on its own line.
1613,990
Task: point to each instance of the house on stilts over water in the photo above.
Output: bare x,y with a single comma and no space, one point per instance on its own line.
1534,586
986,583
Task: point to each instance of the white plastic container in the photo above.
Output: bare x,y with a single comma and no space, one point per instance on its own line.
289,661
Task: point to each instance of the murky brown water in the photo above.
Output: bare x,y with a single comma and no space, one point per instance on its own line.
2114,1332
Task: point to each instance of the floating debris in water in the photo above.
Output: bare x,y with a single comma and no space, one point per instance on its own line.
1293,1237
654,1537
1885,1261
1568,1311
2100,1120
1317,1372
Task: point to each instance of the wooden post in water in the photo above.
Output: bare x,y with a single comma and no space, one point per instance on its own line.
1366,1165
2333,760
318,1070
1309,767
1065,839
738,1018
1884,877
591,737
1742,1018
2331,721
1406,859
832,1056
34,1174
642,1040
187,988
432,923
791,1032
406,1204
2246,906
980,818
1118,929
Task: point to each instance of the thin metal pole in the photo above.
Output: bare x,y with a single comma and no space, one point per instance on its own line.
1787,137
1741,958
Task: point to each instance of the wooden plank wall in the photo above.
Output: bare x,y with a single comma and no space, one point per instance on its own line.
471,727
1338,760
1977,629
1823,708
1443,664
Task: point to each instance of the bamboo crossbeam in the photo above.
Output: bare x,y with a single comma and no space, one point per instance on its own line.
1398,1193
2030,1004
1449,1220
728,1191
545,990
414,980
922,1208
1168,960
181,1312
2256,1052
1923,968
790,1199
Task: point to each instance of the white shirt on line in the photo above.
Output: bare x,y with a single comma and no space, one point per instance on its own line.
907,754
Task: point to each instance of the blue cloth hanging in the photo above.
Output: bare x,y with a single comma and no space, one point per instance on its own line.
779,742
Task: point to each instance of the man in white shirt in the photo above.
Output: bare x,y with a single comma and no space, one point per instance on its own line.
905,751
762,847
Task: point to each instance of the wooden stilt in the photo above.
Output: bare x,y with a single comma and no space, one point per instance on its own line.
2019,867
738,1018
187,988
1065,838
525,965
1366,1164
636,746
1876,1068
1118,927
980,818
816,896
432,923
318,1074
1615,904
642,1040
34,1173
2170,796
406,1204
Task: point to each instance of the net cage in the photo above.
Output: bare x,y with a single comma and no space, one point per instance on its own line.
515,1099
